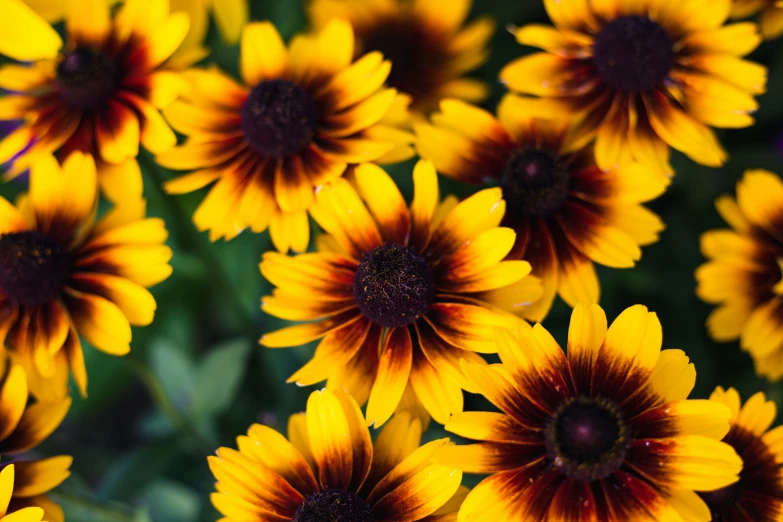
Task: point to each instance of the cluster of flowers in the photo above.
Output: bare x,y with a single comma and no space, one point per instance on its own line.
403,297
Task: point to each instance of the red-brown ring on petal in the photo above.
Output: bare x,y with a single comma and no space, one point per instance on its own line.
33,268
335,506
535,183
587,438
87,77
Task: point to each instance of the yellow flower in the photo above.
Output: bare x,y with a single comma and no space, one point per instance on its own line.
230,17
303,114
743,274
101,96
26,36
329,469
641,76
398,295
430,49
770,15
758,496
8,512
567,213
22,427
62,274
605,434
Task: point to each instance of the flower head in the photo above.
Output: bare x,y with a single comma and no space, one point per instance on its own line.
303,114
606,433
398,294
62,274
567,212
329,469
640,77
770,15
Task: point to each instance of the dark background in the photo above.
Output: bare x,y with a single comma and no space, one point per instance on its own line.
197,378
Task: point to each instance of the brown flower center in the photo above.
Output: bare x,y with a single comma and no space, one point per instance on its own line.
86,78
535,183
393,285
587,438
33,268
633,53
334,506
722,499
279,118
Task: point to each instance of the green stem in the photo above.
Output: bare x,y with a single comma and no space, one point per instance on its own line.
90,510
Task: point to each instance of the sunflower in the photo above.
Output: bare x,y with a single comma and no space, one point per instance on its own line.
330,470
567,212
22,427
758,496
743,274
430,49
101,96
62,274
302,115
605,434
770,17
640,76
398,295
24,35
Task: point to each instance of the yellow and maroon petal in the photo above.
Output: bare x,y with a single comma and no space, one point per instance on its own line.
36,424
394,368
385,202
329,431
40,476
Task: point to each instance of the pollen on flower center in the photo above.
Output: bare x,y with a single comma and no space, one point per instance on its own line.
334,506
535,183
633,53
279,118
393,285
587,438
33,268
86,78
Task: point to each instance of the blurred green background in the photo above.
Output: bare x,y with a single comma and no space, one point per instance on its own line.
197,378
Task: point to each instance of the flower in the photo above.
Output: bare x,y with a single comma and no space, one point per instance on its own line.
568,213
24,426
303,114
24,35
743,274
330,470
8,510
426,41
62,274
604,434
398,294
770,17
101,97
641,76
758,495
230,17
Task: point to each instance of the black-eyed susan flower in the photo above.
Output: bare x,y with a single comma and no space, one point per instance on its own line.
101,96
62,274
640,77
430,49
7,511
605,434
24,35
770,15
398,294
301,116
23,426
743,274
329,469
758,496
567,212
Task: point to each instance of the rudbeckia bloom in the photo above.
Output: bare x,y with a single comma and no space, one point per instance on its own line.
567,212
329,469
429,47
640,77
101,96
8,513
398,294
743,274
758,496
605,434
24,35
62,274
300,117
22,427
770,15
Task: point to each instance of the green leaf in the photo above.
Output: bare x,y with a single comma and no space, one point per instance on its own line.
219,376
175,371
172,502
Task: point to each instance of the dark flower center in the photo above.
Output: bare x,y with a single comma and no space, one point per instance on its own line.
587,438
535,183
86,78
633,53
334,506
722,499
393,285
33,268
279,118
